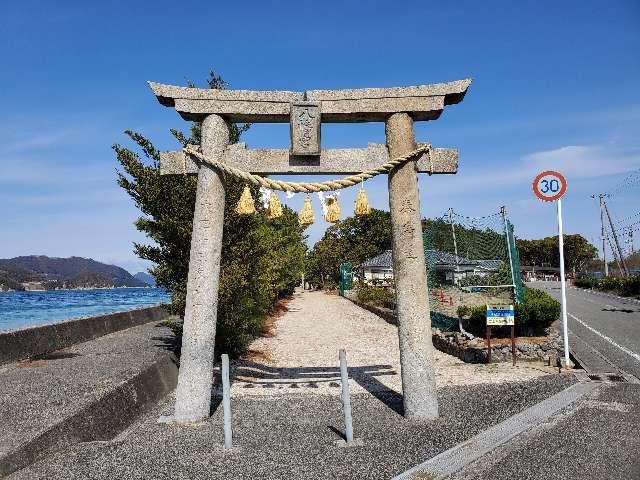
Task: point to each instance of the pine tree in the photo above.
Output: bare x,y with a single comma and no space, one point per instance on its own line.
261,259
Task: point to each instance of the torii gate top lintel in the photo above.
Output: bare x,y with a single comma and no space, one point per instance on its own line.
421,102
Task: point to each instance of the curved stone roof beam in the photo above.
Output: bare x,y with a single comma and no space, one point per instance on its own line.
422,102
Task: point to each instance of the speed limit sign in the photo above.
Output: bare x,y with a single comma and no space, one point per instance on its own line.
549,186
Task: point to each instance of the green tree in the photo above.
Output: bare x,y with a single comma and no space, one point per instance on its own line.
354,240
578,252
261,259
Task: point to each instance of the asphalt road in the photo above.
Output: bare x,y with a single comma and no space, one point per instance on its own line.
604,331
599,437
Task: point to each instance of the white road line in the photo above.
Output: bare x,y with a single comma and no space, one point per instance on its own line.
601,335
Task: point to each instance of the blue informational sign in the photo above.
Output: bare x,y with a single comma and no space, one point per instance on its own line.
500,315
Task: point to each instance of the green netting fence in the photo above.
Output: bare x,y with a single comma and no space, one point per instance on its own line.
471,261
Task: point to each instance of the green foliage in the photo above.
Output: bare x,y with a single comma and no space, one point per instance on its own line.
353,240
383,297
472,242
261,259
502,276
624,286
578,252
537,312
585,282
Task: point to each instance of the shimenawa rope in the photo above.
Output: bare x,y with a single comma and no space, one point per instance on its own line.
306,187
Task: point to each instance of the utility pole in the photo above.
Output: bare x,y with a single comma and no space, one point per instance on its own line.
455,244
615,238
615,256
602,234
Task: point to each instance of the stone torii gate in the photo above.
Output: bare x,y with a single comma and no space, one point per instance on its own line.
398,108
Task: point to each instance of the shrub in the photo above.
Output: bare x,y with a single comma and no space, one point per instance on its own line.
536,312
630,286
585,282
625,286
533,315
382,297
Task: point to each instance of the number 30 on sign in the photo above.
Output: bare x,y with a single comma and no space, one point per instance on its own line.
549,185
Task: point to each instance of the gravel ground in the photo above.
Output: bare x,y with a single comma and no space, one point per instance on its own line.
36,394
293,437
303,355
287,412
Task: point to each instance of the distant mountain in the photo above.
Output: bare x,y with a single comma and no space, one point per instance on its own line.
48,273
146,278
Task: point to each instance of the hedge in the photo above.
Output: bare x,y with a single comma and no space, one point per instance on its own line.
537,312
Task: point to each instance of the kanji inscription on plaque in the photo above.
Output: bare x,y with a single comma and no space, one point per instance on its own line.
305,128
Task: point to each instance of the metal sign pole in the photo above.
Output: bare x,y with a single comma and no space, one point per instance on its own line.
563,286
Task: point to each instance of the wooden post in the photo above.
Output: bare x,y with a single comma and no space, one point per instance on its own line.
412,306
513,344
488,344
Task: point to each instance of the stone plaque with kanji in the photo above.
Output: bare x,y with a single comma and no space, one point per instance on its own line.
305,128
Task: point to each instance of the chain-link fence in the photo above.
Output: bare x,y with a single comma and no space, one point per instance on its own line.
471,261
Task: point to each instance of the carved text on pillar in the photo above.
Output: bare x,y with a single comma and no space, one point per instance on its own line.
305,128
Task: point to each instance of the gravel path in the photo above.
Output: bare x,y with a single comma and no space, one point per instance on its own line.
303,354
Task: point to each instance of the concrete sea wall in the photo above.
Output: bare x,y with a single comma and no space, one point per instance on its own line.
36,341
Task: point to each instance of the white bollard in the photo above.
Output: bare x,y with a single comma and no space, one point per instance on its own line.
226,403
346,399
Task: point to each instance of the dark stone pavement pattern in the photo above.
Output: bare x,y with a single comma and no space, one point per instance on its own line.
599,439
293,436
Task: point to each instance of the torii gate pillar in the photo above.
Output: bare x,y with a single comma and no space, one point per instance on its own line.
195,378
410,276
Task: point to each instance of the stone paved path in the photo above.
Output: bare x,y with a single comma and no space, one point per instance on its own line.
303,354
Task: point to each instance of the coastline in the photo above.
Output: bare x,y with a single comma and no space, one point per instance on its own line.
26,309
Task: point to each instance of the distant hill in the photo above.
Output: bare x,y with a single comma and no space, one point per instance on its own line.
146,278
48,273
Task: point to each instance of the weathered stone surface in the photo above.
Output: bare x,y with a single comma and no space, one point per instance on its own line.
423,102
305,128
331,161
193,394
475,350
412,300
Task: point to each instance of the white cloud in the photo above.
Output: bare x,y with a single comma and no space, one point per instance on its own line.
574,161
48,139
580,161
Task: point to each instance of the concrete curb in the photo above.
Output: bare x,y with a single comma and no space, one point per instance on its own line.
101,419
36,341
454,459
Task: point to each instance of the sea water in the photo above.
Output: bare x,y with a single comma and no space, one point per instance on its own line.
29,309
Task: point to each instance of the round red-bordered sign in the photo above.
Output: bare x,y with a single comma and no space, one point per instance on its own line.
549,185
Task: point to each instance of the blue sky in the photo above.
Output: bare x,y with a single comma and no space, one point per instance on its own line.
555,84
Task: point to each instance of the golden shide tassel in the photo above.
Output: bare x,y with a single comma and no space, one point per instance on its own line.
333,210
274,210
362,203
305,217
246,205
